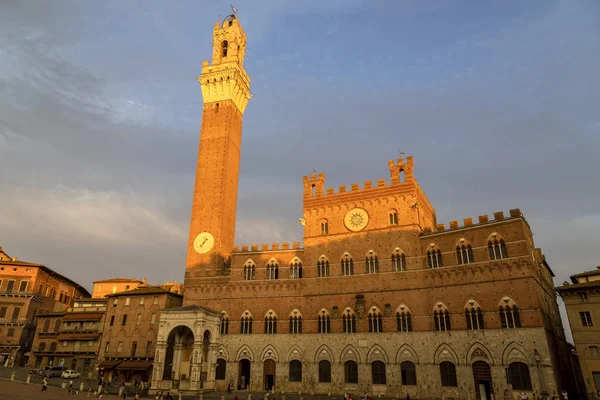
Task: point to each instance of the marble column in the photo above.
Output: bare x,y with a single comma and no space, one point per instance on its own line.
196,366
177,355
211,365
159,363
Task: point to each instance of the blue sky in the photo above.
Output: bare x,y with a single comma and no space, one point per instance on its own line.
100,114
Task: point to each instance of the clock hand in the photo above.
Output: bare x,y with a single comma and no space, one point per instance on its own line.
204,242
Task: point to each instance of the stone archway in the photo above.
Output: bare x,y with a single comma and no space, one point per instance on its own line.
178,356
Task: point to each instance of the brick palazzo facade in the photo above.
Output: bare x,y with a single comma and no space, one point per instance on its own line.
381,298
26,290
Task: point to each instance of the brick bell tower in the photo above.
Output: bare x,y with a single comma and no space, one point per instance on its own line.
226,91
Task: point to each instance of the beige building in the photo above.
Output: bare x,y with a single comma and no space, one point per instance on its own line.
26,290
115,285
582,301
130,331
381,298
70,339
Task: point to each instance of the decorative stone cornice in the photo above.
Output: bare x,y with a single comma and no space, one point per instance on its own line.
225,82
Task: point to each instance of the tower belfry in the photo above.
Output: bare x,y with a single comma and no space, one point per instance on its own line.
226,91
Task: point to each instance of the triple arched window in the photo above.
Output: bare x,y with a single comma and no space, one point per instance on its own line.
246,323
473,315
323,267
403,319
224,325
270,322
272,269
347,265
249,271
295,322
398,260
464,252
509,313
324,322
434,257
296,269
497,247
372,263
441,318
348,321
375,320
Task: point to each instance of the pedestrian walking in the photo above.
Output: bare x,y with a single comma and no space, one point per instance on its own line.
44,384
407,396
565,395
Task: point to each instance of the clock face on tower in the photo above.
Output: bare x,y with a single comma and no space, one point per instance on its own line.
356,219
204,242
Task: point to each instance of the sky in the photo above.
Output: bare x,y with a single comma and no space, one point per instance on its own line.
100,113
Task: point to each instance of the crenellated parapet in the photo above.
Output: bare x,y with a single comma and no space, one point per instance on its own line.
402,179
264,247
468,222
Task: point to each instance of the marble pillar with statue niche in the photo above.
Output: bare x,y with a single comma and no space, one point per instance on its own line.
196,366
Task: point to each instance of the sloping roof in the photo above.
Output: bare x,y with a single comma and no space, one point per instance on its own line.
49,271
135,365
143,290
575,286
587,273
83,316
118,280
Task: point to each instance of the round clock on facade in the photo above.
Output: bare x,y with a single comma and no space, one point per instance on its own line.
356,219
204,242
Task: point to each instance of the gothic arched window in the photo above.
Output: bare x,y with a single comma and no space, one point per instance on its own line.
347,265
296,269
246,323
224,325
295,322
497,247
441,318
324,322
398,260
324,371
375,320
473,315
372,263
464,252
509,313
393,217
249,271
348,321
403,319
323,267
272,269
434,257
324,227
270,322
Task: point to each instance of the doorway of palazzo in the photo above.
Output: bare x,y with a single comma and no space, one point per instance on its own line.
482,375
244,374
269,374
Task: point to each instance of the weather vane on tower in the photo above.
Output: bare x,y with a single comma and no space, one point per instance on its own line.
235,11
